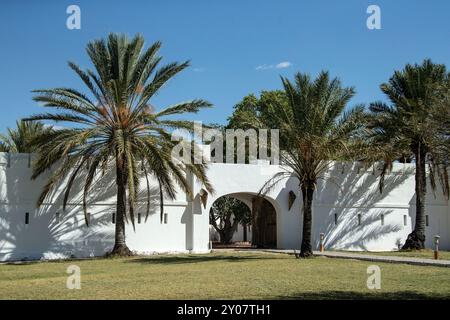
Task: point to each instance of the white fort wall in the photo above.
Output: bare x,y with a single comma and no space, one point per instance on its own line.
52,233
365,219
348,209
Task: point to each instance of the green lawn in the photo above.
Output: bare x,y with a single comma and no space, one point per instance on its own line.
426,254
225,275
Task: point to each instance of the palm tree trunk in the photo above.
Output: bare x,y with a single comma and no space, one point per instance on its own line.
307,194
416,239
244,226
120,247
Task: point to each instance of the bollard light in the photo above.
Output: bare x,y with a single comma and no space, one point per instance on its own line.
436,247
322,236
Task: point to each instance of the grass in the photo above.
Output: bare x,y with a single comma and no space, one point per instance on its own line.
425,254
222,276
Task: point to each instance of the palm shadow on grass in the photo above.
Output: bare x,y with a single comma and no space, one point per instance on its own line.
372,295
196,259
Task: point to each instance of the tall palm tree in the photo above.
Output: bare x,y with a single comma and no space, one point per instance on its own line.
20,139
415,127
116,128
315,129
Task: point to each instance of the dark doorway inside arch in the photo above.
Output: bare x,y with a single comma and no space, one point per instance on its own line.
264,221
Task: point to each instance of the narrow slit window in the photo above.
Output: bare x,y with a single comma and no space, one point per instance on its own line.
166,218
405,220
335,218
27,218
113,217
427,221
139,218
359,219
382,219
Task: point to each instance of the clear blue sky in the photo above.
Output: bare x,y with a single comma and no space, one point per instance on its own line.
226,42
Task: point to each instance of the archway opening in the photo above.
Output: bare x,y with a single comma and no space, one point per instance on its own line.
229,220
243,220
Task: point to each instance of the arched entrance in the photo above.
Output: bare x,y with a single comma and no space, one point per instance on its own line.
259,231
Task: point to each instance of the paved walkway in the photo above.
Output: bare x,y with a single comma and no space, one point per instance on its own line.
364,257
389,259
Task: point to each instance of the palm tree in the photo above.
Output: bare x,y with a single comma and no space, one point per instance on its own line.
118,128
20,140
415,127
315,129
